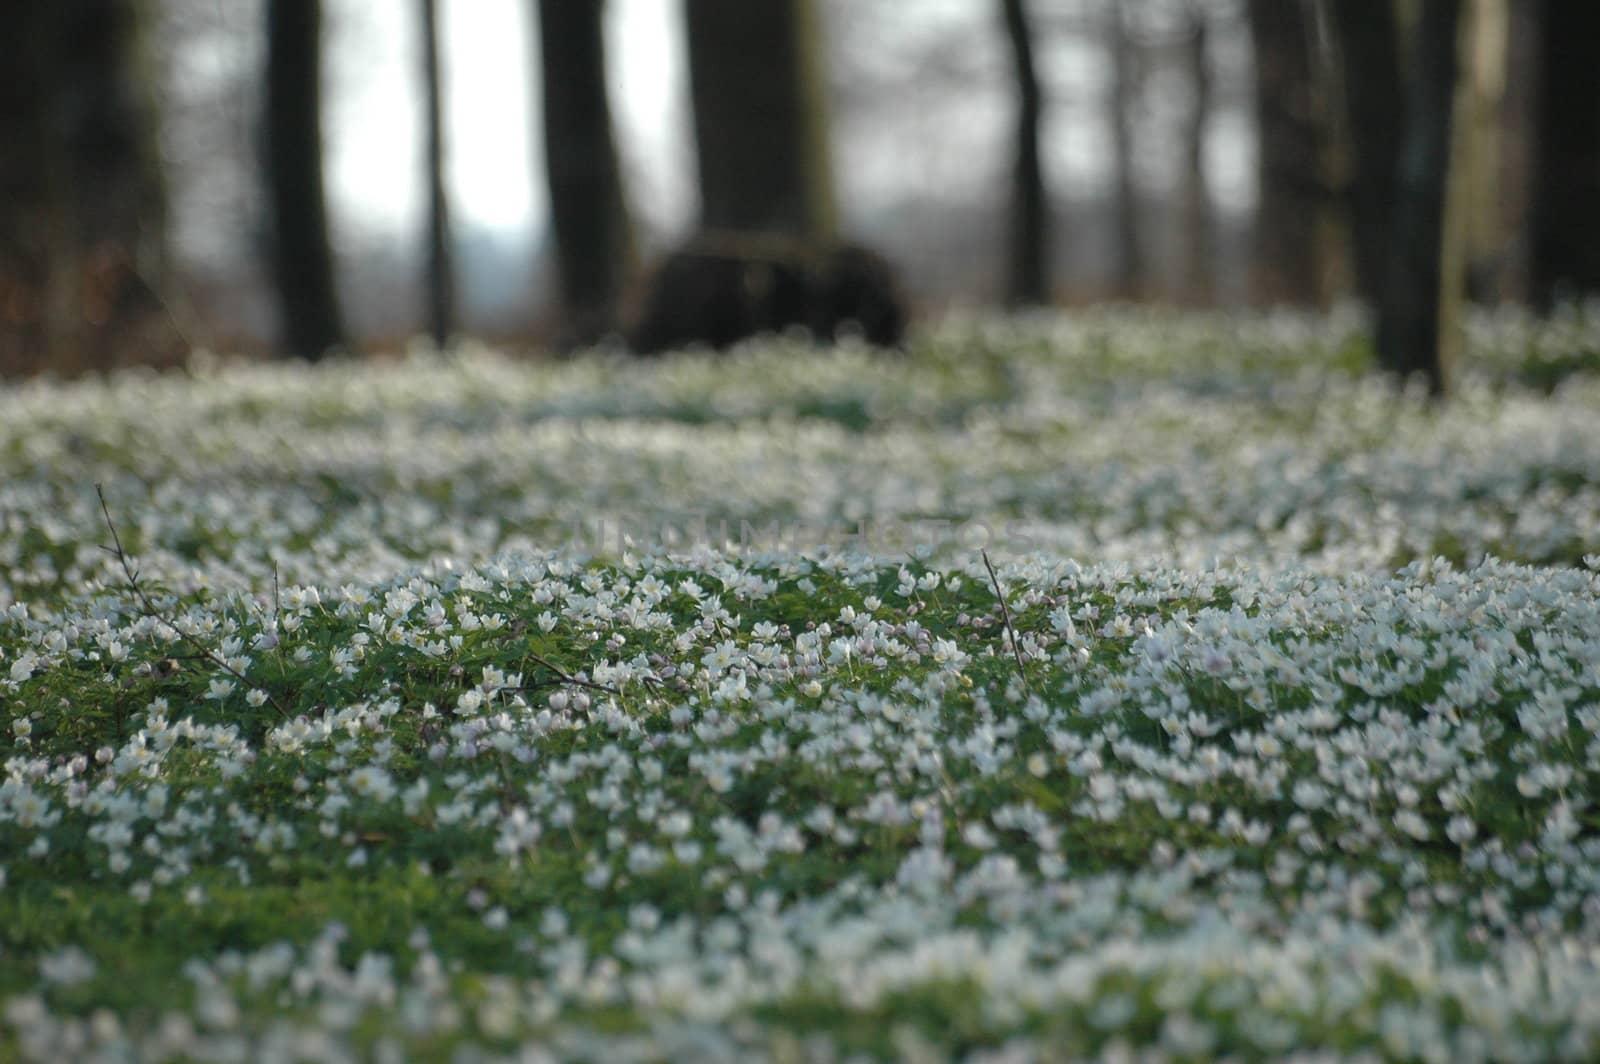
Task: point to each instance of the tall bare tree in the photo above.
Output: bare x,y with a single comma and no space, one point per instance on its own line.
1125,79
1292,218
1485,68
1374,114
441,272
302,257
1516,135
1199,244
588,210
1028,268
760,119
1419,311
82,201
1565,252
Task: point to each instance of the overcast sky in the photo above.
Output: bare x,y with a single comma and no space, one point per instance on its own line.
495,161
954,137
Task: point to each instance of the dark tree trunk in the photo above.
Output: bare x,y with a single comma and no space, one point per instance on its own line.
112,131
1027,273
760,117
1291,227
302,259
1517,132
1565,251
1130,268
1488,236
82,201
1200,253
36,225
1369,53
441,273
588,211
1418,316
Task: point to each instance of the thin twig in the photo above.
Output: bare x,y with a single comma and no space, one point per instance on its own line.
567,677
150,610
1005,618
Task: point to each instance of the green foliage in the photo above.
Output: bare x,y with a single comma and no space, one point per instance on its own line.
422,777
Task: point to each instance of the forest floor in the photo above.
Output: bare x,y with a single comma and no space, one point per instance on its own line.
1062,687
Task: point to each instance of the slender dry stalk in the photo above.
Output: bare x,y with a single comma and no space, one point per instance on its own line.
567,678
149,609
1005,618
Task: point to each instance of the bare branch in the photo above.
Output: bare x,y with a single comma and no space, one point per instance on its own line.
1005,617
149,609
568,678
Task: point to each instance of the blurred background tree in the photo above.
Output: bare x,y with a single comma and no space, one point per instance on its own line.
1124,104
1293,227
310,320
1125,90
83,208
1368,47
1027,271
760,117
1565,198
1199,245
1418,330
441,279
1207,152
588,209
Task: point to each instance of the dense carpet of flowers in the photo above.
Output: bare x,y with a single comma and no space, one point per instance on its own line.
469,709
